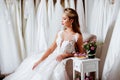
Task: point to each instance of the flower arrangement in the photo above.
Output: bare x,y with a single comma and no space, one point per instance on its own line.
90,48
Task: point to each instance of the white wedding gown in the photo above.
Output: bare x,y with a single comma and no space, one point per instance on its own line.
49,69
111,69
9,57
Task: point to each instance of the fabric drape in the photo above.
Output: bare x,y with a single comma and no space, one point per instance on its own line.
112,62
30,28
42,26
81,14
51,10
9,54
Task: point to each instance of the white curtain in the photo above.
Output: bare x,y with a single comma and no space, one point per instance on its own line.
9,53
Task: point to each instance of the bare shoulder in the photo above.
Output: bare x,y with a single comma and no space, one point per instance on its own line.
79,36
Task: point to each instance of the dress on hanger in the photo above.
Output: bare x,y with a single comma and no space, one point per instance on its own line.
9,55
66,3
112,62
72,4
56,24
14,9
51,11
96,22
42,27
50,68
112,11
80,11
30,28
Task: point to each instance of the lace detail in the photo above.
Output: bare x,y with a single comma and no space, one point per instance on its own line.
66,46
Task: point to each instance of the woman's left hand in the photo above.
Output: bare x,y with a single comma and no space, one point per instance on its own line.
60,57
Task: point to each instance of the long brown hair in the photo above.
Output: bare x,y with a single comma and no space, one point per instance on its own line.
72,14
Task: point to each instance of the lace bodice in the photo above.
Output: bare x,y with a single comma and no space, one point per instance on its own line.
66,46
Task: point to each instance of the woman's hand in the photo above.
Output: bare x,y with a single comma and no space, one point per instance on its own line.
60,57
35,65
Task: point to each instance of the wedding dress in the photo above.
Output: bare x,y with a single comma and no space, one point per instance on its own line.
42,26
9,57
72,4
50,68
111,15
56,24
50,20
66,3
80,11
111,69
30,28
14,9
96,19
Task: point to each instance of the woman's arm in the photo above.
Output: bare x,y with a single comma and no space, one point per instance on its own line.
47,53
80,44
63,56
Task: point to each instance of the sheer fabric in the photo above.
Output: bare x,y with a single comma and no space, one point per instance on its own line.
55,71
72,4
56,25
8,48
112,62
109,13
51,10
96,22
80,11
108,29
42,27
67,5
14,9
30,28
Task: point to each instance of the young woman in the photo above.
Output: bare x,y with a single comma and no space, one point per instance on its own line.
51,65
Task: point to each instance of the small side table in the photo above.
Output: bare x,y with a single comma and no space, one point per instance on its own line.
85,66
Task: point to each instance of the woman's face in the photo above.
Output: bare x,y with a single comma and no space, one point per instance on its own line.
66,21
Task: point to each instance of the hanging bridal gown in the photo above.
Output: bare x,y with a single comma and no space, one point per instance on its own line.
14,9
56,25
9,57
50,20
30,28
72,4
80,11
50,68
111,69
67,5
111,15
110,11
96,22
42,26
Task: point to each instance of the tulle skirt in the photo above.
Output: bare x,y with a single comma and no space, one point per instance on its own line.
49,69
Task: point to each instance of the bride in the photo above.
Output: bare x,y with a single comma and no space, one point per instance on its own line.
51,65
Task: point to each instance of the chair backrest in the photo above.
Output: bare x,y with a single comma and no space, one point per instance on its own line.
88,37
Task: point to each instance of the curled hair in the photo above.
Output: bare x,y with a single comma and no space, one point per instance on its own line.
72,14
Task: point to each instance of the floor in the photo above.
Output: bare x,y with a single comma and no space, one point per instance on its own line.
1,77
